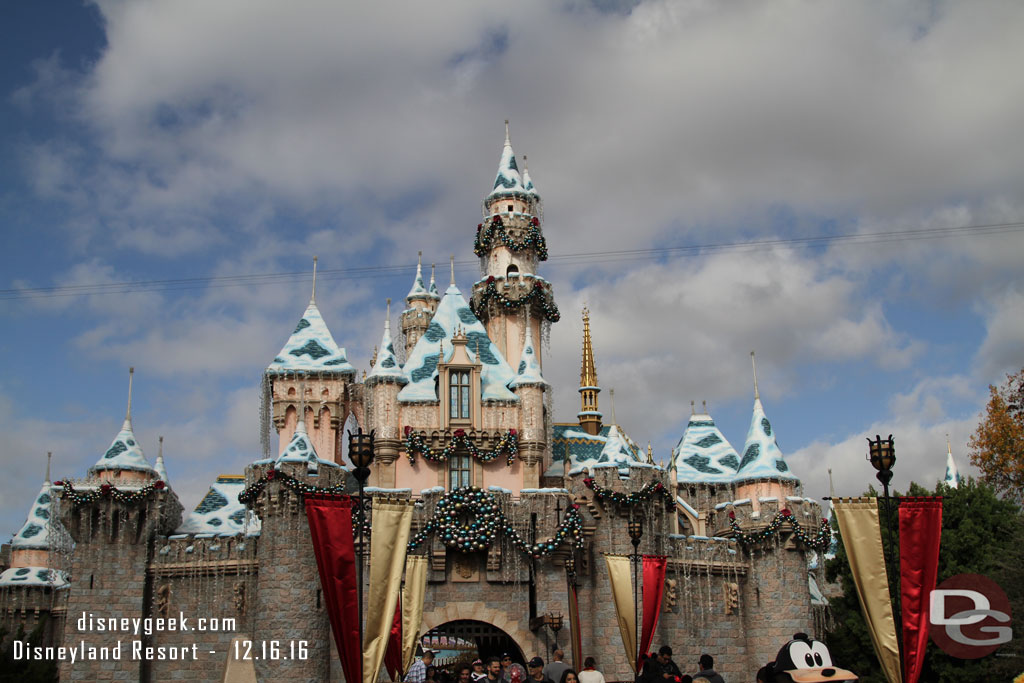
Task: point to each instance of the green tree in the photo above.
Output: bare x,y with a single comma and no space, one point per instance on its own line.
997,446
25,671
981,534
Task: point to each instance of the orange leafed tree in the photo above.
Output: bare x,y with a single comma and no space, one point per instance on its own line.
997,446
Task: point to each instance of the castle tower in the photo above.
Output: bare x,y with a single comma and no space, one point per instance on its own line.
384,382
510,244
530,386
952,478
589,415
114,517
312,372
763,472
421,302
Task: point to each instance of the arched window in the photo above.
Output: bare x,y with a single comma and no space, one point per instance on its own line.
458,393
459,469
512,270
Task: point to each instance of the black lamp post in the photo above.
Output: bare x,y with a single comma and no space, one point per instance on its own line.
555,622
360,452
882,455
636,532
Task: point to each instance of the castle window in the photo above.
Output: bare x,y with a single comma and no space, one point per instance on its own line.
510,208
512,271
458,392
459,469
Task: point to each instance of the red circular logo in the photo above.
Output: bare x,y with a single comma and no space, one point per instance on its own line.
969,616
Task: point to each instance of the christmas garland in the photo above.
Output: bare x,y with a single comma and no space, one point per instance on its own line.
645,495
109,491
819,541
494,229
254,489
487,522
416,444
539,291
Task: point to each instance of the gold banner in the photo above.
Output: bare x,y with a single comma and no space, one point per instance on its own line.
625,607
862,538
412,606
391,521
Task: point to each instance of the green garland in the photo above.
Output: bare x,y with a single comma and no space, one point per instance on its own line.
416,444
494,231
645,495
819,541
109,491
539,291
487,521
254,489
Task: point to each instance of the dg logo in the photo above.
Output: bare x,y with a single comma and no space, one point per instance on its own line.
969,616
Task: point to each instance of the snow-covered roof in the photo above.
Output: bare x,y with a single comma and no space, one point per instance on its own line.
762,458
508,181
35,532
387,367
528,373
703,455
300,449
124,453
618,451
311,348
432,290
528,182
419,289
421,366
952,478
219,512
33,576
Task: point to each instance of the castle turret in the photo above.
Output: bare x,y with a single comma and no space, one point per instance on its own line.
385,380
510,244
530,386
124,462
311,370
420,304
589,415
952,477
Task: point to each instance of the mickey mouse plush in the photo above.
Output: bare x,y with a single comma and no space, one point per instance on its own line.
806,660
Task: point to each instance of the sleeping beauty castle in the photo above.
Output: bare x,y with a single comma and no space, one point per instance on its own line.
525,531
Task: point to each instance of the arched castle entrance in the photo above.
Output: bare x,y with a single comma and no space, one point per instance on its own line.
493,631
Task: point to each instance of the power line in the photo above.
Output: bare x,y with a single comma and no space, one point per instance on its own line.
607,256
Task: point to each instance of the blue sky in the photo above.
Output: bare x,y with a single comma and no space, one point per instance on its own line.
162,140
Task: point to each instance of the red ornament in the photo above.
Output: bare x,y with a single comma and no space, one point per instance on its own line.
786,512
479,227
535,221
732,515
159,485
408,430
105,489
459,433
575,506
513,432
490,279
271,474
659,486
58,483
589,482
537,284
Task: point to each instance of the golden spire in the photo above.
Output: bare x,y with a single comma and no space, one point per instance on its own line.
588,374
650,454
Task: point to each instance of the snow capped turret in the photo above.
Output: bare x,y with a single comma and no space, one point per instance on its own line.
300,449
124,453
311,348
35,532
527,181
508,181
219,512
952,478
762,458
528,373
159,468
432,290
703,455
386,367
419,289
421,367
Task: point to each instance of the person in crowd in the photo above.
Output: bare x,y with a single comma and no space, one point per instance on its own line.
463,673
660,669
556,667
478,671
535,667
707,669
700,679
493,667
418,670
569,676
506,663
590,674
431,675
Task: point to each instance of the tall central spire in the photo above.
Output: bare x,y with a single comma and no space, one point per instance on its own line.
589,415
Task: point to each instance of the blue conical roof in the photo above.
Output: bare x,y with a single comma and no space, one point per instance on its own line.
421,366
219,512
300,449
419,289
508,180
386,366
703,455
125,453
762,458
311,348
35,533
952,478
528,372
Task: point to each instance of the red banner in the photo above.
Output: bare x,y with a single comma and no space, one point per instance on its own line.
920,534
330,525
654,588
393,655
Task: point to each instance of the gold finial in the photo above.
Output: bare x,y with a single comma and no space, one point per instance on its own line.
525,168
693,408
49,456
650,454
588,374
128,413
312,298
753,363
705,404
452,259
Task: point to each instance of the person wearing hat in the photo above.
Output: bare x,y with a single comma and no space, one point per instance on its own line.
478,671
536,669
506,662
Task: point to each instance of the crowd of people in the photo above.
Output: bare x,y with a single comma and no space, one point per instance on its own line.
654,669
